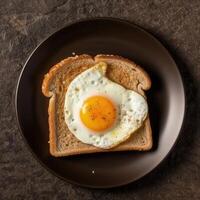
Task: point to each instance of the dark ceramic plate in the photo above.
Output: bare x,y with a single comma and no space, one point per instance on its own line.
166,100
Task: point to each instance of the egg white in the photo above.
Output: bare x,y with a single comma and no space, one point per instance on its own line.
131,107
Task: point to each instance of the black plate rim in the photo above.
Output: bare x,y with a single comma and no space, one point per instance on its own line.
111,19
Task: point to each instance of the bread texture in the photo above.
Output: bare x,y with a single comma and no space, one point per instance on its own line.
55,83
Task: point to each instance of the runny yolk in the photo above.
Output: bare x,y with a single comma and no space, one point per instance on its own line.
98,113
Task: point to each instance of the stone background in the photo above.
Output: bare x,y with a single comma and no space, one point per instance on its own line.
24,24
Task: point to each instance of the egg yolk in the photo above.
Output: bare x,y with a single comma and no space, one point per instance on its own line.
98,113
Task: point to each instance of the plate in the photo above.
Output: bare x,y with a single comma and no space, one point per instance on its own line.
166,100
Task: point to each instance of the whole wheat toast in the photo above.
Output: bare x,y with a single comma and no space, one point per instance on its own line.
120,70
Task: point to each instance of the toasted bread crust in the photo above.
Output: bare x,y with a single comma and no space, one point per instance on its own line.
48,90
52,127
145,85
55,69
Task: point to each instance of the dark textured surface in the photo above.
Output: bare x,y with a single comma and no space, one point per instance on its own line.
24,24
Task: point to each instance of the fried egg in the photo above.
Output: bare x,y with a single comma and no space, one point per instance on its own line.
101,112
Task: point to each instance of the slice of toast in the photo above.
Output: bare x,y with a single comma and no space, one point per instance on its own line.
120,70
